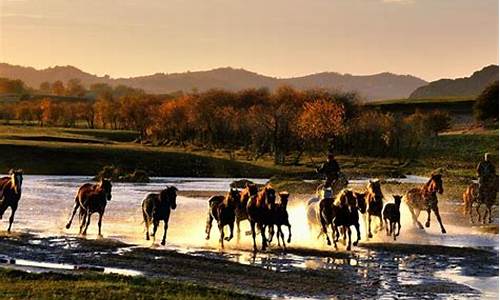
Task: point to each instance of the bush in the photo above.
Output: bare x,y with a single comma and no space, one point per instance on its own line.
486,106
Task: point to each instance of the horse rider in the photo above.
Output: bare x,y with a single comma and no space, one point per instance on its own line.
486,173
330,169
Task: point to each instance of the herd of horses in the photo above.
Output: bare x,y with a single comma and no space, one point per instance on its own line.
336,207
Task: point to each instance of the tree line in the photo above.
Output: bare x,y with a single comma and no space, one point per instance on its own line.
285,123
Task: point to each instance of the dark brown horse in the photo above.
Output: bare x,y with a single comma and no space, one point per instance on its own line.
279,219
374,204
91,198
10,193
425,198
259,210
472,195
249,191
392,216
156,207
222,209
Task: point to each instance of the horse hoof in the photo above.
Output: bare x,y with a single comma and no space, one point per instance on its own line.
67,225
355,243
163,243
100,236
427,224
147,238
329,243
443,230
227,239
370,235
207,238
349,248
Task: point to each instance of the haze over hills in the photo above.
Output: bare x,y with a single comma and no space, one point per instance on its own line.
468,86
371,87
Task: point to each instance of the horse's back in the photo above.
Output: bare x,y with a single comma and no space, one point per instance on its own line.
149,203
312,210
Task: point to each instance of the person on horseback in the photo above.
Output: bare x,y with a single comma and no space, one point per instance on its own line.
330,169
486,173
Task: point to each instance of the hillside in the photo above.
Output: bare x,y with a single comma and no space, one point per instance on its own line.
462,87
377,86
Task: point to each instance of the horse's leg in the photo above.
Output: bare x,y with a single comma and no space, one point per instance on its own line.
358,233
221,232
278,234
99,224
252,228
325,231
146,224
11,219
283,239
238,231
399,227
289,233
393,229
75,208
263,235
428,222
381,222
271,233
414,216
155,227
231,231
88,223
349,236
165,228
489,213
369,226
386,228
208,227
438,217
478,212
83,219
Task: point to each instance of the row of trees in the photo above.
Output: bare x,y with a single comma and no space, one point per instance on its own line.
285,123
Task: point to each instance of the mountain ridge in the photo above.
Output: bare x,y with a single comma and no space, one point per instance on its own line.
382,85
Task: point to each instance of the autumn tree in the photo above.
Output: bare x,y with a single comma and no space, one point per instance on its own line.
75,88
486,106
58,88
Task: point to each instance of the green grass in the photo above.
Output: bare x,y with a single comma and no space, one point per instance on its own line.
21,285
421,100
65,151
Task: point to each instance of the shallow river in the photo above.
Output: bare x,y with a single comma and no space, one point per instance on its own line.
47,202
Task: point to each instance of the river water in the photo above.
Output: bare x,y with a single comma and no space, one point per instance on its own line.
47,202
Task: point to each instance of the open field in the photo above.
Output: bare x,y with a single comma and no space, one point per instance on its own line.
40,150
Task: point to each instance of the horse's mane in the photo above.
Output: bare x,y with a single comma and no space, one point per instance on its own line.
341,197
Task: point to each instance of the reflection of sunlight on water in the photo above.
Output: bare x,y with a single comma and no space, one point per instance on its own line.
487,285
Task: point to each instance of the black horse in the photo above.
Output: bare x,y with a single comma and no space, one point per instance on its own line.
156,207
10,193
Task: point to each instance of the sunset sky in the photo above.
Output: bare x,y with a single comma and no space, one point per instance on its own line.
427,38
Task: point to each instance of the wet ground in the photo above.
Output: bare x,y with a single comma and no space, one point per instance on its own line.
421,264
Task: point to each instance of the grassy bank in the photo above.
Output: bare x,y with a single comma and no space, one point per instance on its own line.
84,152
21,285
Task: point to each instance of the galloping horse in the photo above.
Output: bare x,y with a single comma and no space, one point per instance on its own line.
249,191
374,204
259,210
156,208
222,209
280,218
91,198
425,198
10,193
471,196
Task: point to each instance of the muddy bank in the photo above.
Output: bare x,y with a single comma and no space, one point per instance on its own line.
372,270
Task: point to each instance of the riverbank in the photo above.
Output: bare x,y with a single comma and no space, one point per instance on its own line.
60,151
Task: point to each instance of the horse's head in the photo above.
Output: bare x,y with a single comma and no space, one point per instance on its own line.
350,199
397,199
284,198
436,184
16,177
361,201
105,185
374,188
251,189
270,195
169,195
232,197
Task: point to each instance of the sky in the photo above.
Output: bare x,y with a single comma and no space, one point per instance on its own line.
430,39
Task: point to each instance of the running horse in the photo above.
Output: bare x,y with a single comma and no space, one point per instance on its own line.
374,204
260,213
425,198
249,191
91,198
222,209
472,195
10,193
156,207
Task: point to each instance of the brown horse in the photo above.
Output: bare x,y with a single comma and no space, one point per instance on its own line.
280,218
425,198
392,216
156,208
471,196
10,193
259,210
249,191
91,198
374,204
222,209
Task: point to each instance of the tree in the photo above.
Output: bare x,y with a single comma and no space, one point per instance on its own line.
45,87
75,88
9,86
486,106
58,88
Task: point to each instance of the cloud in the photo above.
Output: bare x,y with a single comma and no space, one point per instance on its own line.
399,1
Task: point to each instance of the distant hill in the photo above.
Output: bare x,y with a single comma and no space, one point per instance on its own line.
378,86
462,87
